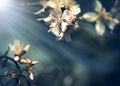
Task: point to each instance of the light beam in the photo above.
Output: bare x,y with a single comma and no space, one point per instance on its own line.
4,4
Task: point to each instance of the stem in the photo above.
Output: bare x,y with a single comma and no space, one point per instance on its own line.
4,56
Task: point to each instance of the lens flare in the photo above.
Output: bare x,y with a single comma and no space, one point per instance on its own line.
4,4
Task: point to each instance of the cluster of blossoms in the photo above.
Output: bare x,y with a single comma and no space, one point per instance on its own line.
18,51
62,13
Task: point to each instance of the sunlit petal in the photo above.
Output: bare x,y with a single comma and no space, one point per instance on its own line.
30,75
34,62
90,16
54,30
26,48
51,4
47,19
53,24
112,23
60,36
65,13
40,19
40,11
11,47
25,60
75,9
64,26
100,28
98,6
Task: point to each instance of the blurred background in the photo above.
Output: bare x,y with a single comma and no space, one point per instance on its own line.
88,60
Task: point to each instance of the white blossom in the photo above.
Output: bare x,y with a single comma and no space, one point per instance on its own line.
59,19
17,47
98,16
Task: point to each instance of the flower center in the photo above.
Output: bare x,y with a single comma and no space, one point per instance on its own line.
57,2
69,3
17,48
101,14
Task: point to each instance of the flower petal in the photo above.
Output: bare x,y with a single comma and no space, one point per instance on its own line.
90,16
25,60
112,22
75,9
53,24
34,62
47,19
30,75
26,48
98,6
111,25
60,36
18,47
40,11
65,13
11,47
64,26
17,42
51,4
100,28
54,30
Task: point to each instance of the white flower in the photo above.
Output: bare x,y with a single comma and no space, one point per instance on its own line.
99,15
17,47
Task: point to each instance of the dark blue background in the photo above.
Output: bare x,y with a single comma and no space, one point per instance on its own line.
89,59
